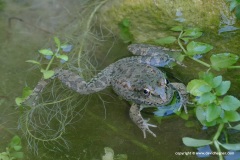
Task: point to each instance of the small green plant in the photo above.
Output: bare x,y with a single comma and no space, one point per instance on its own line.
212,104
51,55
125,33
13,151
234,5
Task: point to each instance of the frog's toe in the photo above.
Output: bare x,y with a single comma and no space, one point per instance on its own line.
145,127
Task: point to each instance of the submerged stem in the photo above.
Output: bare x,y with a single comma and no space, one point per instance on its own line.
215,140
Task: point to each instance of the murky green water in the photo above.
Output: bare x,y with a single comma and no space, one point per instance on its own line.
32,25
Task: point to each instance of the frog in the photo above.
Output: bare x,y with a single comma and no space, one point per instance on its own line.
136,79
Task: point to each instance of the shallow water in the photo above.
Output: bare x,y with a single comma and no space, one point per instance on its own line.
101,126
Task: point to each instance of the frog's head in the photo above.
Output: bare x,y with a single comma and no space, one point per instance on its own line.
147,88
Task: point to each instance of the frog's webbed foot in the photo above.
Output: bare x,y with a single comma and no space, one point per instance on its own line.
139,121
181,89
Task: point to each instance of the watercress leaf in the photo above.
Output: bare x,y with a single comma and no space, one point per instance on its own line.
197,87
222,88
231,116
230,103
206,98
126,22
46,52
213,111
33,61
57,42
15,141
194,48
18,101
223,60
192,33
66,47
200,114
233,5
63,57
237,127
233,147
191,142
166,40
186,40
177,28
207,77
17,148
26,92
216,81
47,74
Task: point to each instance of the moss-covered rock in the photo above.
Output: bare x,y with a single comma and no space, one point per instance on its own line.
151,19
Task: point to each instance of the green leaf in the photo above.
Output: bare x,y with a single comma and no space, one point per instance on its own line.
194,48
33,61
192,33
17,148
200,114
46,52
177,28
109,154
213,111
15,141
207,98
57,42
223,60
230,103
18,101
197,87
231,116
126,22
26,92
207,77
63,57
223,88
234,147
47,74
233,5
237,127
166,40
217,81
191,142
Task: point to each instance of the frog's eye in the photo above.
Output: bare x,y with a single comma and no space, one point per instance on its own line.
146,91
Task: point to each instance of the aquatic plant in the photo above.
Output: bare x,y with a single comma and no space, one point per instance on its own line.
13,151
213,106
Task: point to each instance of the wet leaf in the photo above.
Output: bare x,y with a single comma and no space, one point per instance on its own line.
67,47
33,61
213,111
177,28
17,148
18,101
230,103
46,52
200,114
194,48
47,74
223,60
166,40
223,88
192,33
57,42
207,98
63,57
15,141
191,142
197,87
231,116
216,81
233,147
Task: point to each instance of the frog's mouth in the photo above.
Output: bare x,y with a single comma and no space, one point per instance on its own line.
162,93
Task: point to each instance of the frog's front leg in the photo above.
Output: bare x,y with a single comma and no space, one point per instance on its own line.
182,91
139,121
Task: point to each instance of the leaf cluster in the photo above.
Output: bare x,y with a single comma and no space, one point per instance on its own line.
234,5
213,106
50,54
13,151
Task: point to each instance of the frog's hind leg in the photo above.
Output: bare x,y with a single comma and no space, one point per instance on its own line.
139,121
74,82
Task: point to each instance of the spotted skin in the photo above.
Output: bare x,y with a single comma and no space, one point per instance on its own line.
137,79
